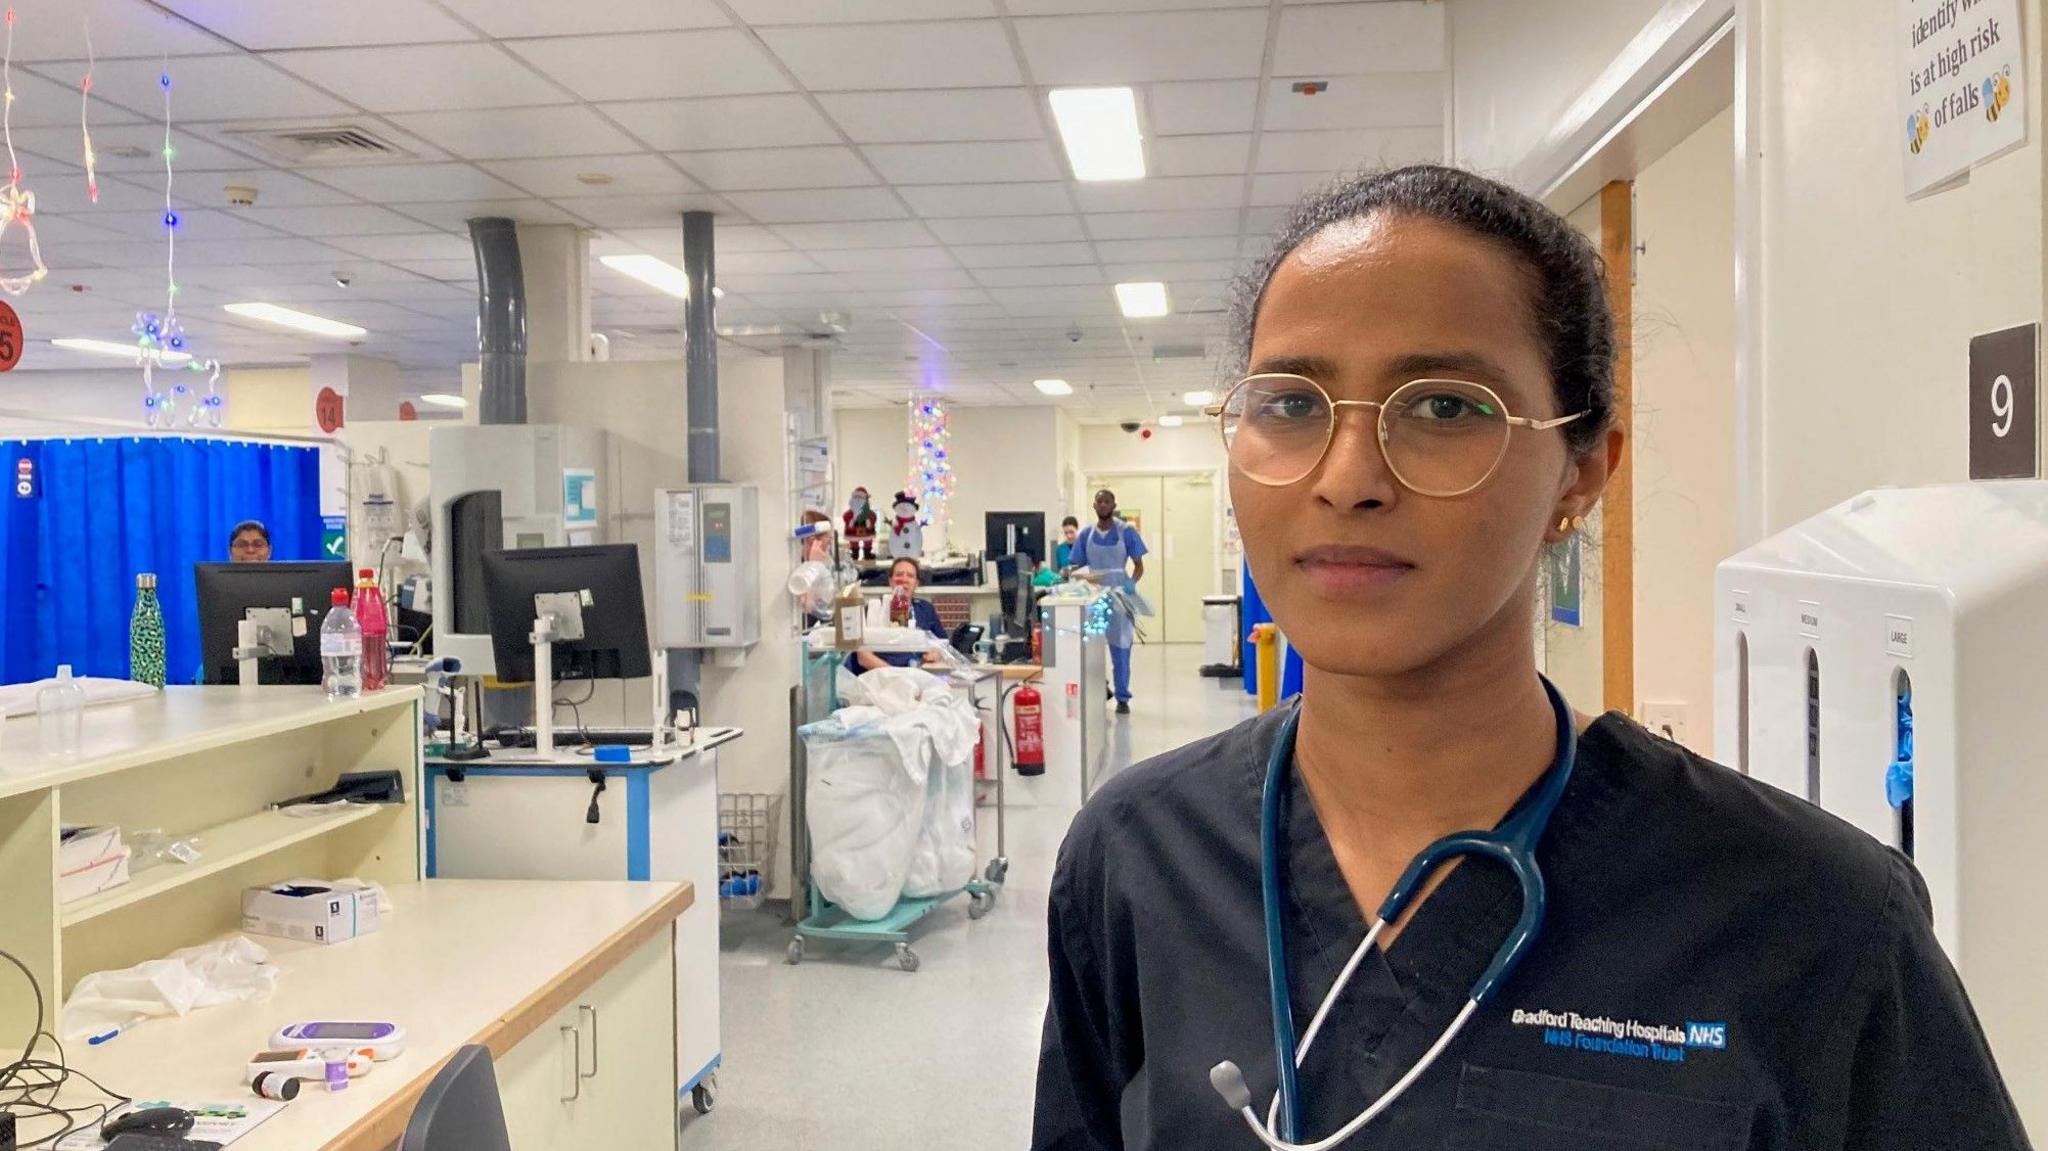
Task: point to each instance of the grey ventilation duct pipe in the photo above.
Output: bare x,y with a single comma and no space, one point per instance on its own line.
500,320
700,348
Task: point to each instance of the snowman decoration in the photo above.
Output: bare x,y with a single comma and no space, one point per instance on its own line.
906,535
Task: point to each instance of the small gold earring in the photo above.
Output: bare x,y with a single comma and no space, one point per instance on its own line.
1564,525
1569,524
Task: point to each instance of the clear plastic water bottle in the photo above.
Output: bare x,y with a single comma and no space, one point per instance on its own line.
60,714
341,650
376,625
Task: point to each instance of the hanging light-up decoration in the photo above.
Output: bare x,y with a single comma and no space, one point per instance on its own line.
160,338
92,159
17,204
931,468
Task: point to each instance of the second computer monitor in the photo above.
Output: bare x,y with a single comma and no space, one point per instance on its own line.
227,591
606,580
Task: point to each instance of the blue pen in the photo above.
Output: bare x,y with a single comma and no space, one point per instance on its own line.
102,1037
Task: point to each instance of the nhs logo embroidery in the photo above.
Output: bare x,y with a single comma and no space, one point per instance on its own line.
1709,1035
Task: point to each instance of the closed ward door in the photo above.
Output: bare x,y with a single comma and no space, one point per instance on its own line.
1176,517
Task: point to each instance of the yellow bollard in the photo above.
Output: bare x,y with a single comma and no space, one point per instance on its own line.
1266,653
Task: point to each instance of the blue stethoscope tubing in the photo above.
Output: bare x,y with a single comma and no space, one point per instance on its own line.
1512,844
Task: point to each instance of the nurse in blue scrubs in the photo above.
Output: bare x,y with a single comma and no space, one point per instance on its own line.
1114,555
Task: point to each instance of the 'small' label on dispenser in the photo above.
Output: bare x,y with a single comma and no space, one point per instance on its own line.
1898,636
1809,619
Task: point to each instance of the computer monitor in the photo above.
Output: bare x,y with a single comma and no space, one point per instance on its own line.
1020,533
226,592
1013,590
605,578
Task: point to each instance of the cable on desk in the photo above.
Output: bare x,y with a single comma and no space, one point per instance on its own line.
23,1080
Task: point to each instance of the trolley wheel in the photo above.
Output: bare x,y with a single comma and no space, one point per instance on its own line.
978,903
905,957
795,954
703,1096
998,869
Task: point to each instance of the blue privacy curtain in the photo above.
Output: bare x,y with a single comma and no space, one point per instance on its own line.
106,509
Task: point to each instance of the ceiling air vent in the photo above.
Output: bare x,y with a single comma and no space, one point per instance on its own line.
332,144
1179,351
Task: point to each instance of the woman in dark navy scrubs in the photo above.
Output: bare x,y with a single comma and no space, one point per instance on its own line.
1428,405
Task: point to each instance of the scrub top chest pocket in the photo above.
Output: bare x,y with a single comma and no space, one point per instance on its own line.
1502,1110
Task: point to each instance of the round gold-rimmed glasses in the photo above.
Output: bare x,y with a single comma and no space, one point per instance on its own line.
1440,438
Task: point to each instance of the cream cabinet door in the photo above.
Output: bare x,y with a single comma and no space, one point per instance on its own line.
538,1083
628,1020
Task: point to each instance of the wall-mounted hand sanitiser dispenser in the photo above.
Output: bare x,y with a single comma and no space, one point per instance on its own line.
1888,660
707,565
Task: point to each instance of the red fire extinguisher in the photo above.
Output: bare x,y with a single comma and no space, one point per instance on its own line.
1030,732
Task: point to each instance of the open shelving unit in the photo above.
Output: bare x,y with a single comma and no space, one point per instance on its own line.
206,764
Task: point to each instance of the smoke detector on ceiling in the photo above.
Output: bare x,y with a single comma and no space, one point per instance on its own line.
240,195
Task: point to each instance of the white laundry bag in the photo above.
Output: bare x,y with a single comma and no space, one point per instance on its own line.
864,807
947,728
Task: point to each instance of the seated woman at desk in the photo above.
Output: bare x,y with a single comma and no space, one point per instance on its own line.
904,573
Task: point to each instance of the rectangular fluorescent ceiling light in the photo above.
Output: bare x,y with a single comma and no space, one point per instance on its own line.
297,321
1198,399
127,352
1054,387
1142,301
1099,127
655,273
444,400
1170,421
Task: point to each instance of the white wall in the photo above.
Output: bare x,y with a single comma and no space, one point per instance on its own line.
1867,301
273,400
1533,85
1684,429
1194,446
1005,459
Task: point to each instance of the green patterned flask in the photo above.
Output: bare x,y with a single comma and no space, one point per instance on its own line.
146,634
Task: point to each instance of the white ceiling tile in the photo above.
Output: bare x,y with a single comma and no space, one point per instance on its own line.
732,265
1200,155
637,211
760,286
1345,39
1182,248
509,18
411,246
925,301
857,234
1028,277
332,220
453,215
725,238
1161,225
1022,255
634,175
1385,100
565,130
821,206
1070,7
386,183
423,77
1182,193
1201,107
929,279
274,189
1351,151
277,251
67,230
756,169
1173,270
945,54
128,148
124,255
723,122
941,200
41,103
1060,298
1258,222
55,30
884,259
195,226
65,193
255,24
766,12
1009,229
1013,160
454,270
1137,48
1283,189
656,65
935,116
212,88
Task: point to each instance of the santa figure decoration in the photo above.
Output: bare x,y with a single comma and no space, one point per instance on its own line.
906,535
859,520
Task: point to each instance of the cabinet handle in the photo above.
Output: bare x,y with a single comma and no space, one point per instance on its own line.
593,1042
576,1066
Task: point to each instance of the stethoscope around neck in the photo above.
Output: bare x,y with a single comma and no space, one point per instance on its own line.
1512,845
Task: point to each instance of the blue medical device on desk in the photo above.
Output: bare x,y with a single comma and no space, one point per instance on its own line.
589,803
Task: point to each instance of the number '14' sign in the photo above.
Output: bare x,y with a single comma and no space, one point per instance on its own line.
2005,421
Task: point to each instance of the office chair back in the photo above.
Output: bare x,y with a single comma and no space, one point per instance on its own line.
460,1110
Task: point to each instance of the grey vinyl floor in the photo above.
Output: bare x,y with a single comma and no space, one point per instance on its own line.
848,1051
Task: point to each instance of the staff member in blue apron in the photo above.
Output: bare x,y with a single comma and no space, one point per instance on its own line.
1107,549
1257,939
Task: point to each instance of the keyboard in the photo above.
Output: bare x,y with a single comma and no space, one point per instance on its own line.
143,1141
574,737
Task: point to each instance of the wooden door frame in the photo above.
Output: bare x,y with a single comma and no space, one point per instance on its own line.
1617,516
